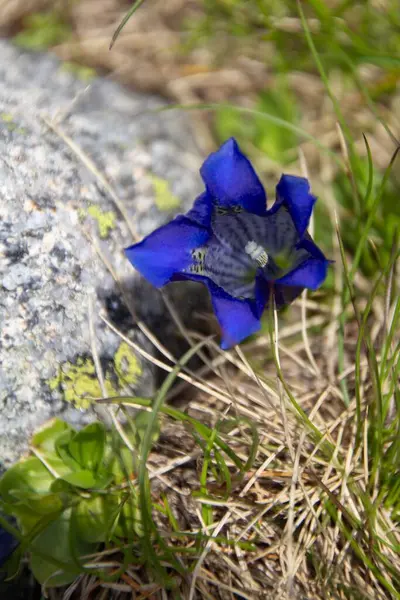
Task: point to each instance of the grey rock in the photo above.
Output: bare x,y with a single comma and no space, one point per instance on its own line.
51,206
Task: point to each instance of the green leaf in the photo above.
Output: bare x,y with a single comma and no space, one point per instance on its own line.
62,449
30,512
87,446
24,479
59,486
83,479
54,543
45,439
95,516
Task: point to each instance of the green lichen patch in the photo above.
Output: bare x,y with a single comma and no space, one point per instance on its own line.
127,367
9,123
105,219
6,117
164,198
79,383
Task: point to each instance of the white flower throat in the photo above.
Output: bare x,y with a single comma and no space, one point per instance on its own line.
257,253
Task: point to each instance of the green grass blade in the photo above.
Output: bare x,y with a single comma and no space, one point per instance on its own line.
124,21
370,175
206,510
145,501
371,216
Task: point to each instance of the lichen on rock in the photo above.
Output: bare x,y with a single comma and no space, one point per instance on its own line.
127,367
79,383
105,219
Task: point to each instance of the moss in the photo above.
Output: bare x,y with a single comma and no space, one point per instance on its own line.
127,366
164,198
80,384
105,220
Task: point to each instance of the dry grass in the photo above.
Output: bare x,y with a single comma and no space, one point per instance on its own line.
279,506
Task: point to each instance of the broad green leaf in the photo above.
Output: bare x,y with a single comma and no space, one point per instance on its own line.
62,449
45,439
25,478
95,516
83,479
27,515
87,446
60,487
55,463
54,541
45,504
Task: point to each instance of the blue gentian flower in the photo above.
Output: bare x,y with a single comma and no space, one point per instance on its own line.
235,246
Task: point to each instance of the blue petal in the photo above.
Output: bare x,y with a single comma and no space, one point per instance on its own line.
167,250
262,291
285,294
7,545
308,244
312,272
294,193
201,212
237,318
231,179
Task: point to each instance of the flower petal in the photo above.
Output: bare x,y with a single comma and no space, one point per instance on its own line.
236,317
202,209
285,294
7,545
167,250
294,193
312,272
231,179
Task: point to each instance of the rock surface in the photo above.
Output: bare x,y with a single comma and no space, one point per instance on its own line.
52,205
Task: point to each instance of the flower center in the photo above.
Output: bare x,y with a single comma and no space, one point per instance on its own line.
242,246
